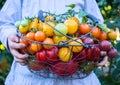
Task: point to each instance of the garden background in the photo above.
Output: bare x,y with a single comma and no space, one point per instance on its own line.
110,73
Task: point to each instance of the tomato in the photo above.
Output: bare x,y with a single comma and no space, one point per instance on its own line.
64,54
75,19
24,41
84,28
36,65
112,35
52,54
103,36
48,43
41,56
40,36
47,29
78,46
72,26
58,39
30,35
23,29
40,26
17,24
61,28
33,48
24,22
65,69
96,32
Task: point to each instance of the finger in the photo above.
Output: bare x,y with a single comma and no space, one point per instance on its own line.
103,61
15,45
103,53
19,55
19,60
14,38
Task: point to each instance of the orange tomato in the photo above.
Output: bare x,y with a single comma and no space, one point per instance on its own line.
103,36
30,35
96,32
33,48
24,41
48,43
72,26
40,36
84,28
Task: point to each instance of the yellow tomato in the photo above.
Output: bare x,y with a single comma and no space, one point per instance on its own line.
23,29
47,29
72,26
78,46
58,39
64,54
112,35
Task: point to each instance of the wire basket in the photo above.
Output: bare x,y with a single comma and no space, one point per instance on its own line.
63,60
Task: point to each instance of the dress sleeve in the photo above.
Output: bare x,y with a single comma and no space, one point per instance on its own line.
91,7
10,13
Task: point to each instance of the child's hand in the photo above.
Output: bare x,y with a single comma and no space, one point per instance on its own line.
14,46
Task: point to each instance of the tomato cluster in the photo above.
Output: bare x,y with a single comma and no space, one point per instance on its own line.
64,47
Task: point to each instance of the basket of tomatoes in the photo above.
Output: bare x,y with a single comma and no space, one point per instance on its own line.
64,46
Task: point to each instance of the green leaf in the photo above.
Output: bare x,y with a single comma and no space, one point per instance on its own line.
71,6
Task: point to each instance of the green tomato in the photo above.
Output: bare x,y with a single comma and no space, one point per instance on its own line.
62,28
17,24
23,29
24,22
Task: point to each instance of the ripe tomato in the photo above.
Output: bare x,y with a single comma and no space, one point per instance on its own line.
112,35
74,18
47,29
30,35
84,28
64,54
40,36
41,56
58,39
77,48
33,48
96,32
48,43
36,65
72,26
103,36
65,69
24,41
23,29
52,54
40,26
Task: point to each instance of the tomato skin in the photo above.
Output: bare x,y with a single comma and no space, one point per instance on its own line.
58,39
96,32
41,56
84,28
52,54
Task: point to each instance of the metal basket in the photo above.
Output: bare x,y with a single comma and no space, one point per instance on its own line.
77,68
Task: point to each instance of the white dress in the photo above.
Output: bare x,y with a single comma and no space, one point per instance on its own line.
15,10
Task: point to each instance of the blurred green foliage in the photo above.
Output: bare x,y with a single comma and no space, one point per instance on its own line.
110,10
